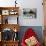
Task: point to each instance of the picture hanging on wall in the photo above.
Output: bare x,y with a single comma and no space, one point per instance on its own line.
30,13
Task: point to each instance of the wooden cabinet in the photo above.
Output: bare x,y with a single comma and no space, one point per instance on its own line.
8,25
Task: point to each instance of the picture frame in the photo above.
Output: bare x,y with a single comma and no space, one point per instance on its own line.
30,13
5,12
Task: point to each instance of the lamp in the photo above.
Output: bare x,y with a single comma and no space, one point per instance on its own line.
15,3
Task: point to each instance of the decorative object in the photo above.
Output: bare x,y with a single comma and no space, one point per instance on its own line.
13,12
30,38
15,36
31,41
5,12
30,13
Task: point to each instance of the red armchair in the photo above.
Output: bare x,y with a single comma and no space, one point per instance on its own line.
28,35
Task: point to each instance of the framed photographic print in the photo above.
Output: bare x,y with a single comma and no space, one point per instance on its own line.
30,13
5,12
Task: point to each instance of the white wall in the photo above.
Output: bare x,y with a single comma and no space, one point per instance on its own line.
32,4
6,3
27,4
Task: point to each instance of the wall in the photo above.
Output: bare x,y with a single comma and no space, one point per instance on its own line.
32,4
27,4
28,22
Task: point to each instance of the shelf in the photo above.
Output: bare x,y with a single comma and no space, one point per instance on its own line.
11,41
6,12
7,16
9,10
10,26
5,8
